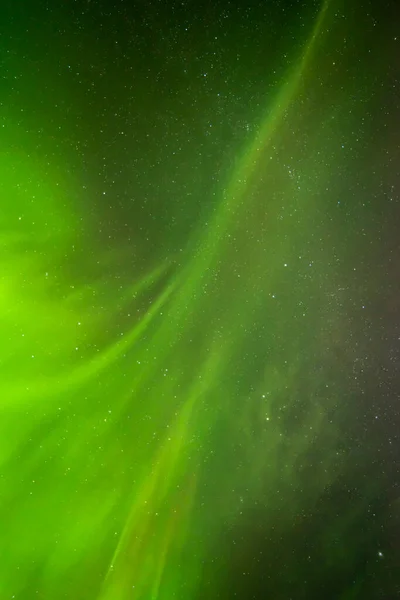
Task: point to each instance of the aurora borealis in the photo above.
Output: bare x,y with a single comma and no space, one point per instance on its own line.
199,300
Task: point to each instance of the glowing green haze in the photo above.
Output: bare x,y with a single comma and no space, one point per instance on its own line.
138,421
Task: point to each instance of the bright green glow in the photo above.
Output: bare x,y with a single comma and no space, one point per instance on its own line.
102,448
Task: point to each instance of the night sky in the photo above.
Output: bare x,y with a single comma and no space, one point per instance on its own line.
200,300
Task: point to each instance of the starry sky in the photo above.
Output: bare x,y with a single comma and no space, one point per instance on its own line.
199,300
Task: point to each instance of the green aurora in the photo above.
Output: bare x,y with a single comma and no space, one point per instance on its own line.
146,417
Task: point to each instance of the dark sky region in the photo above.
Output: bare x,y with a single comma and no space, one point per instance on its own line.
199,300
